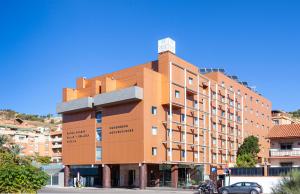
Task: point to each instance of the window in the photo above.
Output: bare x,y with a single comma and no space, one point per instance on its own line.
190,80
196,120
154,110
223,128
196,155
154,130
214,126
169,152
99,134
182,117
196,137
182,136
177,94
154,151
168,132
214,156
214,141
99,117
239,92
222,84
99,153
251,98
183,153
195,104
223,113
286,146
214,94
237,185
214,111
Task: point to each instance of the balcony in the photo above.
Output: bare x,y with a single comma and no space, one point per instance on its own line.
125,95
284,153
57,139
57,146
56,155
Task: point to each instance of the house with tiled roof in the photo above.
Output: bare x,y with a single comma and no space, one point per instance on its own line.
285,145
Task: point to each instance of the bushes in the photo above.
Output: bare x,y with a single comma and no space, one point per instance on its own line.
289,184
21,179
18,175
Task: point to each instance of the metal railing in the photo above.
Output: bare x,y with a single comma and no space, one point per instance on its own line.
282,153
279,171
256,171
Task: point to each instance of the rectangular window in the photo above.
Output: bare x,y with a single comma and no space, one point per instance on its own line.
177,94
196,137
154,110
182,118
196,155
169,152
196,120
214,156
154,130
195,104
182,136
168,132
214,111
286,146
182,153
99,134
154,151
99,117
214,126
190,80
214,141
99,153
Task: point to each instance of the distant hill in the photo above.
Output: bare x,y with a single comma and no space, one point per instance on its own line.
296,114
11,114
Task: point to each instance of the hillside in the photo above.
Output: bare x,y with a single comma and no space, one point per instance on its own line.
296,114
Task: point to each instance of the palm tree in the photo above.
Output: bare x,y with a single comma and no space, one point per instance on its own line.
3,140
15,149
289,184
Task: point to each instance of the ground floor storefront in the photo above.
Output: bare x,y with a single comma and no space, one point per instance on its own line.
134,175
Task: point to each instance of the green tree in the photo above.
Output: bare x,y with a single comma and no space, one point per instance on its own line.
289,184
43,159
245,160
249,146
247,152
3,140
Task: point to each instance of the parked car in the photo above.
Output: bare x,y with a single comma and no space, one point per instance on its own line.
242,187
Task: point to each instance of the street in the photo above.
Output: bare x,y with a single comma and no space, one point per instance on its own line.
113,190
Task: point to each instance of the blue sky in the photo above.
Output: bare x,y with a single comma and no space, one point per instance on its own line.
46,45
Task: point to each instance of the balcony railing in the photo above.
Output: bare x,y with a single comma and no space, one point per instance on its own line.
283,153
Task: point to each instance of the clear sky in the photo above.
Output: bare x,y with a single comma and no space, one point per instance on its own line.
46,45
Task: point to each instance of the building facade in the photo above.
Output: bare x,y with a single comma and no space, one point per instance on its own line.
285,145
283,118
162,123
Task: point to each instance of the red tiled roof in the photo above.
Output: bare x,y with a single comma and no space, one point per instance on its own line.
285,131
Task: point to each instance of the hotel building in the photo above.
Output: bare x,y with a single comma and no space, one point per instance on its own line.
162,123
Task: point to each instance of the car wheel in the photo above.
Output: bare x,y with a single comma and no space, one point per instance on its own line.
226,192
253,192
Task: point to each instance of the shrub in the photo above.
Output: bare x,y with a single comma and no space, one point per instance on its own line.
289,184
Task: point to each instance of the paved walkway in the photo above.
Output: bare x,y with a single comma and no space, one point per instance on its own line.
115,190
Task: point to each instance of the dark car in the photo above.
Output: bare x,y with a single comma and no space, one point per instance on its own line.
242,187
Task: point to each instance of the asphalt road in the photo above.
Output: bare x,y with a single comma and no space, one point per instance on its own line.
113,191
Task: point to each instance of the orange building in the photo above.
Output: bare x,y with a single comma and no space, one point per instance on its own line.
162,123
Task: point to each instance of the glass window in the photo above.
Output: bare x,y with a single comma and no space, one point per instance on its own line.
177,94
196,120
154,151
286,146
99,134
169,152
168,132
190,80
195,104
99,117
182,153
196,155
99,153
154,130
182,117
214,141
154,110
182,136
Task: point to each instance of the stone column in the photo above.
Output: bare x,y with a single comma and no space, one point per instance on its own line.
106,180
143,176
66,175
174,175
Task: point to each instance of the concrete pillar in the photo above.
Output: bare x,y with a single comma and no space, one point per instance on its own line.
66,175
174,175
143,175
106,180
